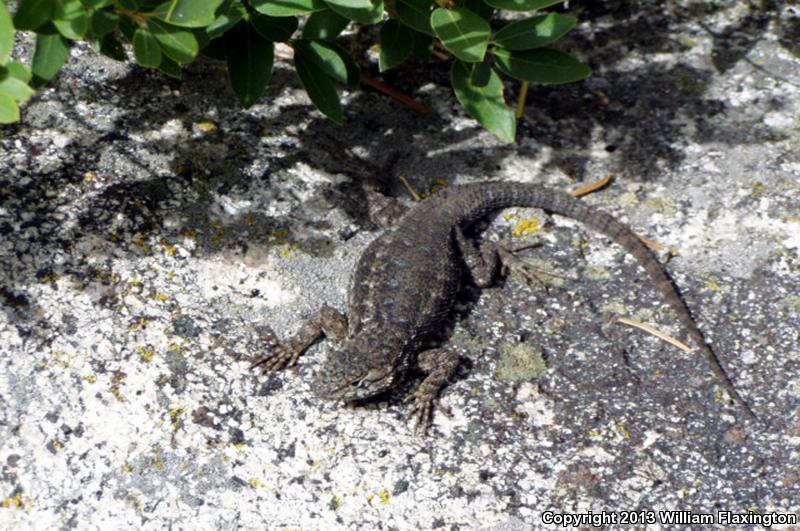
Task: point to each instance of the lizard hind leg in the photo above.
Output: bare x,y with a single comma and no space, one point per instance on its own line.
326,321
440,366
483,262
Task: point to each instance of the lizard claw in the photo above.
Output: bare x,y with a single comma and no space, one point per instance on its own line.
421,414
510,263
280,357
421,411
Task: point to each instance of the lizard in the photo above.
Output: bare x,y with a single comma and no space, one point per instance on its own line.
405,284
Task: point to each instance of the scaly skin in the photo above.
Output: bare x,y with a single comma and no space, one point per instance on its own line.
405,284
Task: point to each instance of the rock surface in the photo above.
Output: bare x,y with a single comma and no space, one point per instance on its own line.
150,230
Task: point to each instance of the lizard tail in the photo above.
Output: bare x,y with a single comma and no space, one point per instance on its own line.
492,196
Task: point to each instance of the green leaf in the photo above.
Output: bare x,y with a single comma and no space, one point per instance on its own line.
19,71
542,65
215,50
332,60
276,29
146,48
97,4
6,34
52,51
127,26
522,5
534,32
201,36
479,7
462,32
33,13
170,67
102,22
288,8
324,25
17,89
9,110
229,15
178,44
318,85
110,46
485,104
397,43
139,6
415,14
250,59
481,72
362,11
71,19
188,13
422,45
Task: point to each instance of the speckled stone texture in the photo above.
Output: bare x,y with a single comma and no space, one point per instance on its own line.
150,231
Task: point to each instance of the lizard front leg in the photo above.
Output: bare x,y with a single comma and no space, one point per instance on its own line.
326,321
440,366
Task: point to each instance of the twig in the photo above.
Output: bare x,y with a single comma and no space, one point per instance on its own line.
592,187
523,95
392,92
410,189
661,335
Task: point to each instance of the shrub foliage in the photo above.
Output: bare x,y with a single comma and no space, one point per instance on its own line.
170,34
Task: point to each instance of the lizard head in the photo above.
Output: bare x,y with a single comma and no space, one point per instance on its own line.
351,374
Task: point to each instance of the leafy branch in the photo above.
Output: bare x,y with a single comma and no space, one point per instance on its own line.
167,35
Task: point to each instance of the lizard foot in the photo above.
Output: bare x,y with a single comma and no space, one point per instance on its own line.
510,263
326,320
421,411
281,356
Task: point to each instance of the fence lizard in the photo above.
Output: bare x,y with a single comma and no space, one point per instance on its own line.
405,284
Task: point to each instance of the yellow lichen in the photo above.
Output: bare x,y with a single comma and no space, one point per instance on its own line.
141,323
336,502
527,226
116,386
207,126
384,495
622,430
759,189
177,417
13,502
161,297
146,354
127,468
140,240
171,250
581,244
256,483
59,357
